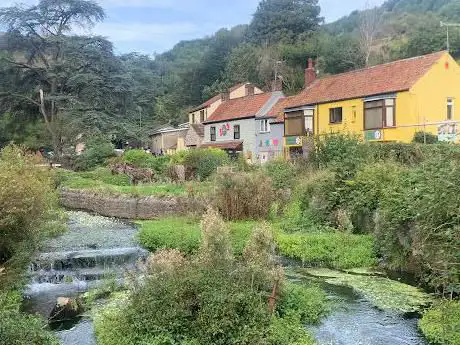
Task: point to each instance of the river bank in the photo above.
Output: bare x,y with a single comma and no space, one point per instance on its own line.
352,315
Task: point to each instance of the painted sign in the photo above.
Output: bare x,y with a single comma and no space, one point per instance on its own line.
224,129
293,141
375,134
269,142
448,132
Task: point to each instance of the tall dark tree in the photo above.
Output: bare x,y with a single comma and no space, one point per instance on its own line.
284,20
51,66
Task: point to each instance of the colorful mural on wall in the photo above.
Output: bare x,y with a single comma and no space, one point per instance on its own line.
448,132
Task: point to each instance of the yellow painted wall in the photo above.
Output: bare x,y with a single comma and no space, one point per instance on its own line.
241,92
422,108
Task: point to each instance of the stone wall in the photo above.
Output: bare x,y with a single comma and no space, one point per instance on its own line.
129,207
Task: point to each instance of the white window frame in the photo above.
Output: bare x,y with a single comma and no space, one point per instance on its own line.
265,126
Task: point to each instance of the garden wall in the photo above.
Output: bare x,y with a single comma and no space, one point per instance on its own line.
129,207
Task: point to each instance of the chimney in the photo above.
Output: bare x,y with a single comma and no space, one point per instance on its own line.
277,85
249,89
225,96
310,73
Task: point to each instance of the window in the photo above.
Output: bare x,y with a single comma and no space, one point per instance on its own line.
309,121
264,126
193,118
213,133
201,116
294,123
379,114
335,115
450,108
236,132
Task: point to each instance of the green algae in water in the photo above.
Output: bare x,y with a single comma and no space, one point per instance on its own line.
382,292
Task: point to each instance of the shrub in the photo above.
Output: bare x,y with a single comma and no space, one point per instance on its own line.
425,138
308,301
288,330
202,162
97,150
281,172
441,323
142,159
27,201
334,250
208,299
418,226
242,195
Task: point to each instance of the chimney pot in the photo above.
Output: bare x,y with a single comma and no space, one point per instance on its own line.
310,73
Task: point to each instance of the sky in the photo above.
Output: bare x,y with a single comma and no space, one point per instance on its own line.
155,26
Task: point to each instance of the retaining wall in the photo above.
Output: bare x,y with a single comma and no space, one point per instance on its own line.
129,207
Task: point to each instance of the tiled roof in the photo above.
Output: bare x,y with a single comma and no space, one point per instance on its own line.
278,110
239,108
391,77
229,145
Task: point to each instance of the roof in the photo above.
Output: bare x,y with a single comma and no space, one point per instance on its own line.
168,128
225,145
278,110
395,76
244,107
216,98
198,128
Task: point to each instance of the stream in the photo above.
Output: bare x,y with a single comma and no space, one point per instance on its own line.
96,248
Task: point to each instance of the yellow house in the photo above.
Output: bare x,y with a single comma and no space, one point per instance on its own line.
388,102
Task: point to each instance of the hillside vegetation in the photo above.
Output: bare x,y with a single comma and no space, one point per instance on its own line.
126,96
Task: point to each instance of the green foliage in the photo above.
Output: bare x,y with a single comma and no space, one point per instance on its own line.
184,234
307,301
142,159
97,150
281,172
289,330
19,328
242,195
441,323
425,138
210,298
278,20
202,162
335,250
27,201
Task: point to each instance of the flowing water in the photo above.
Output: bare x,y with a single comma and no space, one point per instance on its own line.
96,248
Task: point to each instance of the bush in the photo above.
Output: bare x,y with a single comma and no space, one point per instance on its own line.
208,299
27,202
307,301
242,195
142,159
333,250
201,162
441,323
97,150
281,172
425,138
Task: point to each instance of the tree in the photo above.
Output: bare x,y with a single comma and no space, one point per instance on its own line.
52,66
284,20
368,28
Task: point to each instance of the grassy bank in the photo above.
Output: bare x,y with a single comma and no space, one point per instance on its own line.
184,234
102,181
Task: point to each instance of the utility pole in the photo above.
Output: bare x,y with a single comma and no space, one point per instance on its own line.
447,25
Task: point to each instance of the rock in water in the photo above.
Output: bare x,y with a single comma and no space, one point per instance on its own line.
65,309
